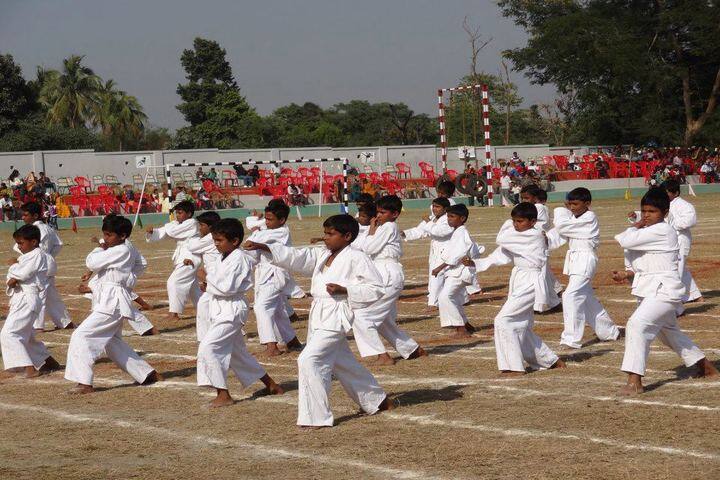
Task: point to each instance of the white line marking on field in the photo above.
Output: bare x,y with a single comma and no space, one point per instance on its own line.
254,449
432,421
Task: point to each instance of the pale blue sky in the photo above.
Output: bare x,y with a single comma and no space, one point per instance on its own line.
281,51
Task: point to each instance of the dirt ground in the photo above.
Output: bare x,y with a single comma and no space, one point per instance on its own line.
455,417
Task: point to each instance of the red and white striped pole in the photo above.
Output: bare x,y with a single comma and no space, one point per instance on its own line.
443,136
488,156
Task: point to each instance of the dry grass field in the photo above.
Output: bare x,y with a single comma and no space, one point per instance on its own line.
455,417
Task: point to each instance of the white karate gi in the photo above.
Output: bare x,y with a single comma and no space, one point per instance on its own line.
439,232
222,345
102,329
272,285
653,253
182,283
327,352
682,218
543,224
18,344
380,318
452,297
515,340
580,305
51,302
203,250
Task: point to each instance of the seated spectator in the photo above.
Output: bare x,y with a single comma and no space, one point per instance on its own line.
243,177
296,196
181,195
30,180
8,210
199,174
355,191
14,179
212,175
708,171
203,200
47,184
602,167
255,174
5,190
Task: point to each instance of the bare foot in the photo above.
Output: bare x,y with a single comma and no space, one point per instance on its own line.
172,316
69,326
153,377
510,373
460,332
271,388
384,359
223,399
152,331
81,389
706,369
312,427
271,350
294,345
50,365
559,364
30,372
419,352
386,405
631,389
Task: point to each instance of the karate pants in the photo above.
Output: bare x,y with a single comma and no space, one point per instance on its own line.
435,286
181,286
223,348
693,292
379,320
326,354
17,339
655,318
451,302
515,340
474,287
139,322
271,314
53,307
202,316
580,306
100,333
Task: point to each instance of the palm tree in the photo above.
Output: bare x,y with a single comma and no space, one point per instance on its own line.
119,115
70,96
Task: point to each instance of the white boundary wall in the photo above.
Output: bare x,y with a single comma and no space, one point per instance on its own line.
72,163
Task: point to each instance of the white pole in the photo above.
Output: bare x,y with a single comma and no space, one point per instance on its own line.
321,191
142,195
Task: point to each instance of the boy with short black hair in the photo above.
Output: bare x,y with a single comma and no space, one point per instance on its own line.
52,304
203,251
182,283
344,279
101,331
458,276
652,250
366,212
682,218
578,225
222,344
272,284
519,242
383,245
26,277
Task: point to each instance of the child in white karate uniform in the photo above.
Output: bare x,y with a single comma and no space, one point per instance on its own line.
437,229
101,332
203,252
458,276
576,224
272,284
520,243
222,344
682,218
382,245
138,321
534,194
52,305
652,250
26,278
182,283
343,280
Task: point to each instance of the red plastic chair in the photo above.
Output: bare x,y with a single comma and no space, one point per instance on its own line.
403,169
452,174
84,183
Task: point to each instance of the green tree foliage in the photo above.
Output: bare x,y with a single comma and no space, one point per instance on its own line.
71,96
219,116
640,70
119,116
17,98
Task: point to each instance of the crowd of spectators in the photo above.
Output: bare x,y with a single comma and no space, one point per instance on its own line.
17,190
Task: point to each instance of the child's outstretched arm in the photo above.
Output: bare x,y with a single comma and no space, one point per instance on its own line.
300,260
